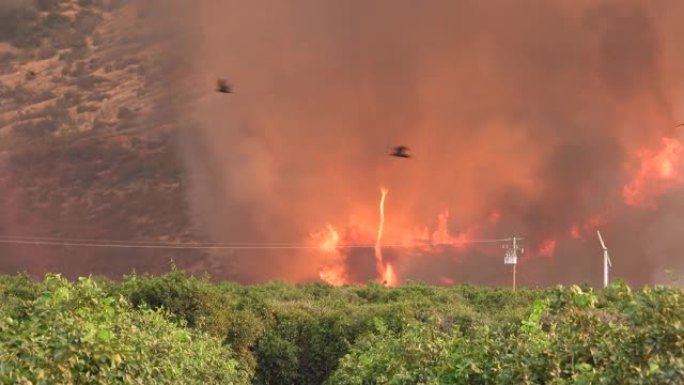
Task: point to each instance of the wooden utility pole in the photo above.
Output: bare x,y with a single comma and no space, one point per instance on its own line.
511,256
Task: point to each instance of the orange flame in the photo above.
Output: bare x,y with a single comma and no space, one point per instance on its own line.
388,277
441,235
657,173
547,248
333,272
336,271
384,269
334,277
330,240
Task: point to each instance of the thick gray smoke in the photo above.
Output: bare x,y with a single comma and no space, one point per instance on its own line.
534,108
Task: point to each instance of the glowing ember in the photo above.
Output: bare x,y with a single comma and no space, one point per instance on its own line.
446,281
547,248
657,173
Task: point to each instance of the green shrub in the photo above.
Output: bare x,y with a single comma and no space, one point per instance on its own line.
190,301
75,333
279,333
409,357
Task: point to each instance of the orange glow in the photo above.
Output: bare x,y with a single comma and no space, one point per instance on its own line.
575,232
385,270
330,239
389,278
494,216
333,271
658,172
547,248
446,281
441,235
332,276
595,222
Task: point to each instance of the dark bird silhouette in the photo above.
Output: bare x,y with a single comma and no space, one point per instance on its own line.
223,87
679,125
400,152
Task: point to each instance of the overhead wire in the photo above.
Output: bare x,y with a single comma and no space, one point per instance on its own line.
132,244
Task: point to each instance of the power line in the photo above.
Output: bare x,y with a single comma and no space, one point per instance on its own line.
133,244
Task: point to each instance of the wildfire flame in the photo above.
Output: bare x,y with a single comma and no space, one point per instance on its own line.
330,240
420,240
547,248
384,269
333,272
657,173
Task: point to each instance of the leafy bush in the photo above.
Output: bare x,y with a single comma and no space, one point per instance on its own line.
75,333
385,357
190,301
313,334
565,340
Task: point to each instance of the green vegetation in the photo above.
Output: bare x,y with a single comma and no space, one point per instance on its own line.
172,328
76,334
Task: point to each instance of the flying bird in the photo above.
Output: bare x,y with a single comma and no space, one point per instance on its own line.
31,74
400,152
223,87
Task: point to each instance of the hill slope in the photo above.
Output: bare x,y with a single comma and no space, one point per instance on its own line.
87,143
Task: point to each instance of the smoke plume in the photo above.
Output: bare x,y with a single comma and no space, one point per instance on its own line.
536,109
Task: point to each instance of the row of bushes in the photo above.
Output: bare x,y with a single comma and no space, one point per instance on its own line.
280,333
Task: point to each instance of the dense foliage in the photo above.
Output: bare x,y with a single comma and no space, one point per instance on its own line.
76,334
167,328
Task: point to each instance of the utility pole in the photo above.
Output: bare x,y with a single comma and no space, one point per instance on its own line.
511,256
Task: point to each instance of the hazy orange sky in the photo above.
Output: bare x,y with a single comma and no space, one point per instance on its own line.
537,109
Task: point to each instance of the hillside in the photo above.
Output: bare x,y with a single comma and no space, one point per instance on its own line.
87,142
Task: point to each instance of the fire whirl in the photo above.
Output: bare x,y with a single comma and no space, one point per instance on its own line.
384,268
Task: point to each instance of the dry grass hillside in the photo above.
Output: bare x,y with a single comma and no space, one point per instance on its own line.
86,146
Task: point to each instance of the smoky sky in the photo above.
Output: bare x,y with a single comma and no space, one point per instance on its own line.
534,108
